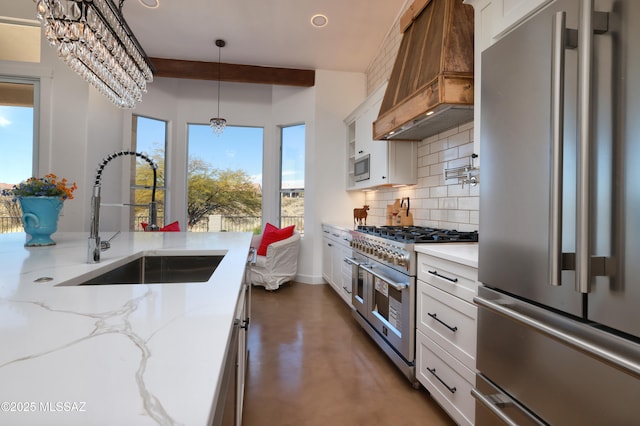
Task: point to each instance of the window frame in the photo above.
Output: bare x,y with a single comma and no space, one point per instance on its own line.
133,187
224,225
281,190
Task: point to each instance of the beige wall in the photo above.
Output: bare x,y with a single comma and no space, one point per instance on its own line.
434,202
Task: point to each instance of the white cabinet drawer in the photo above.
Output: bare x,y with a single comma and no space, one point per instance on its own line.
448,381
347,268
454,278
449,321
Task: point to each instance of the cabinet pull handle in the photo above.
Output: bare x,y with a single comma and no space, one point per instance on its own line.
346,289
449,388
435,317
434,272
245,324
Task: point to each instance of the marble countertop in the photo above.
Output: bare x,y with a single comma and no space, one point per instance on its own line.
113,354
464,253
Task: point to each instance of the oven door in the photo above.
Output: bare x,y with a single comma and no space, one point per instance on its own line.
391,307
357,283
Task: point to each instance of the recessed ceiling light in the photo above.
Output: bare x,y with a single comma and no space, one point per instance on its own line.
319,20
151,4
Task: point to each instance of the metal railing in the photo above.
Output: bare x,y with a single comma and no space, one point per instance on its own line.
10,224
242,224
222,223
218,223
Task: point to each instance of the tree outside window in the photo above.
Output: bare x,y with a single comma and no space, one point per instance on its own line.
224,179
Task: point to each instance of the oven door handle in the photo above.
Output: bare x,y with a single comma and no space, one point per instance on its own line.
351,261
396,285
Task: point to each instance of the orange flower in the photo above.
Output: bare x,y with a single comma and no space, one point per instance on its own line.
48,186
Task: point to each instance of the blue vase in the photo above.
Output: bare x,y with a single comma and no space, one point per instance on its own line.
40,219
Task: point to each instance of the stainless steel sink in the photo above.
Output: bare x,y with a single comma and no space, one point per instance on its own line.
155,269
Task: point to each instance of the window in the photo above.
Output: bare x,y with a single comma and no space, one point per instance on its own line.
292,177
148,136
18,142
224,179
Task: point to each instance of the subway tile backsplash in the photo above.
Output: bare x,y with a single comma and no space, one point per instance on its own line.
434,201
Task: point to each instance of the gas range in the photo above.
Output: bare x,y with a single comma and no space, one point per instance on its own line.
394,246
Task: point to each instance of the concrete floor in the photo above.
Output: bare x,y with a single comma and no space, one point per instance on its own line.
311,364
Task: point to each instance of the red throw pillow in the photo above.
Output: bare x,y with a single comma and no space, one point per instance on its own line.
172,227
273,234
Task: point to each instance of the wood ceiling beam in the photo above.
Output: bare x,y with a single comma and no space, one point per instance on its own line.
196,70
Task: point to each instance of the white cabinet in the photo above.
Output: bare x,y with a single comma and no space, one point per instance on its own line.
446,329
495,18
391,162
337,272
228,409
243,314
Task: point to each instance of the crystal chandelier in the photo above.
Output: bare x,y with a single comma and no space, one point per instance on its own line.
218,123
92,37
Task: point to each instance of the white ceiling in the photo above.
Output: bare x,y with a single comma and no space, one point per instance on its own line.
274,33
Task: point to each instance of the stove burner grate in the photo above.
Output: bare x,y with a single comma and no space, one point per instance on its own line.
418,234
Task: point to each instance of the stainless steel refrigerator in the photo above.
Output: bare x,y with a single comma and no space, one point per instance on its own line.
559,313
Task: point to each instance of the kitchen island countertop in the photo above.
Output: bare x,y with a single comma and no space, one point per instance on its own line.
113,354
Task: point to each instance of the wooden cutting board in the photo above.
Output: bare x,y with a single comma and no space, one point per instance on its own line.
406,219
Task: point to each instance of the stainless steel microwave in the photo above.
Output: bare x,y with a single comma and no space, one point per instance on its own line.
361,168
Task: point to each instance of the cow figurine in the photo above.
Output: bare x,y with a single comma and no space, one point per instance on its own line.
360,215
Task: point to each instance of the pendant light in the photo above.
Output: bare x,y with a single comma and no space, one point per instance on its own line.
218,123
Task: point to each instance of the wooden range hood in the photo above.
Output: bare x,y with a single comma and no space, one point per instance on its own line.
430,89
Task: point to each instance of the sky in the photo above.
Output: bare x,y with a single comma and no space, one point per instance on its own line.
236,148
16,142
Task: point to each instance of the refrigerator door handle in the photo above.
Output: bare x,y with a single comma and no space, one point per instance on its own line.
557,142
508,410
488,402
590,22
612,351
583,202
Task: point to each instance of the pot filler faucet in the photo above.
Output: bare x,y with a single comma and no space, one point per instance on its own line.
95,246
